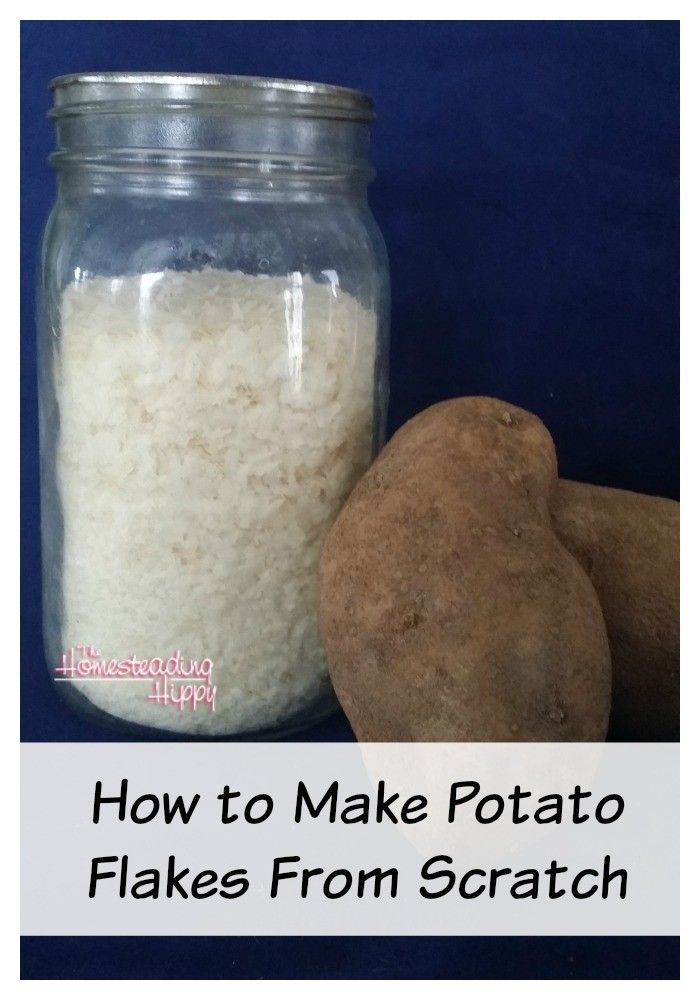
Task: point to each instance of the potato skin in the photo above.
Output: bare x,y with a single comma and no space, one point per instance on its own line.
628,545
449,609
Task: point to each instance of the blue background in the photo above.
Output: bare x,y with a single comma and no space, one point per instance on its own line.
528,192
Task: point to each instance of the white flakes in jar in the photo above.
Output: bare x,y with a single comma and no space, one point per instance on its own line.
211,425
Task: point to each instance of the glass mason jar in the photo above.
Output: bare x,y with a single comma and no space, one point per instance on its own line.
213,381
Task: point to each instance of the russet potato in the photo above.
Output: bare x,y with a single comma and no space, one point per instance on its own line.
449,608
629,545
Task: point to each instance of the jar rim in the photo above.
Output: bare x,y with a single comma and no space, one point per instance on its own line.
85,93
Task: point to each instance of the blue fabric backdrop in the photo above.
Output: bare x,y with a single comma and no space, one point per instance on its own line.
528,192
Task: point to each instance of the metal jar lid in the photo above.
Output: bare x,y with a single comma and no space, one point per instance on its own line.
90,93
